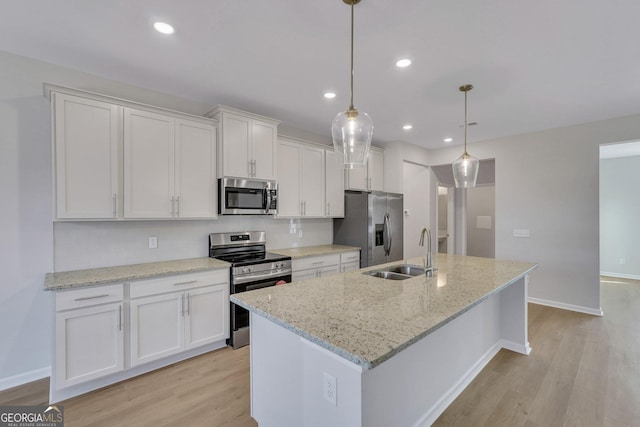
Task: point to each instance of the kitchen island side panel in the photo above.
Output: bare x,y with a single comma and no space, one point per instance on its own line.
410,389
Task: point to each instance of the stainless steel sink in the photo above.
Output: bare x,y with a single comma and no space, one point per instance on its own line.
387,275
411,270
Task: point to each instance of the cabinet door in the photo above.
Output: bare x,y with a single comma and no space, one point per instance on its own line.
156,327
312,174
289,180
304,274
236,137
148,165
350,266
207,316
195,170
86,157
334,185
329,271
89,344
375,170
264,149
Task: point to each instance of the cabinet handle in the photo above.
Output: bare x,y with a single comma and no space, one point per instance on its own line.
173,205
186,299
115,205
182,305
305,207
301,210
178,206
120,317
369,186
328,208
185,283
317,263
254,168
93,297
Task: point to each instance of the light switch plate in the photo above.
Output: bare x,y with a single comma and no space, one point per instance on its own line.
520,232
153,242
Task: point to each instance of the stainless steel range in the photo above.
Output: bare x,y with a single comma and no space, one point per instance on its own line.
252,267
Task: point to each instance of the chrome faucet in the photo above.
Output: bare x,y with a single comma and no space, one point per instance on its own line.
427,261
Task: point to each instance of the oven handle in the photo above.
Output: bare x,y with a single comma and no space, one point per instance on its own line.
260,276
260,286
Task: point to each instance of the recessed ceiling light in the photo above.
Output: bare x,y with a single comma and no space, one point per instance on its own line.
448,139
403,63
407,127
163,27
329,95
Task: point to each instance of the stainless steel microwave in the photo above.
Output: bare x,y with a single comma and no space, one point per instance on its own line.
238,196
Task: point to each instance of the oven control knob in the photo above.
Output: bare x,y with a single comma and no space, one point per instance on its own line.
278,265
246,270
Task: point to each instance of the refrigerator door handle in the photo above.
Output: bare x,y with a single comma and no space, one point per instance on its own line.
387,234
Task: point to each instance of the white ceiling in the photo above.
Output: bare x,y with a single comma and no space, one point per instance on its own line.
534,64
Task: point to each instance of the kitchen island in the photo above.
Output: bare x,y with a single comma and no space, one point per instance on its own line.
357,350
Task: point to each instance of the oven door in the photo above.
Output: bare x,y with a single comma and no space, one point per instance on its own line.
246,197
240,316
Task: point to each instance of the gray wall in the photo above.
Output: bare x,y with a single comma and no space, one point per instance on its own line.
481,202
620,217
548,182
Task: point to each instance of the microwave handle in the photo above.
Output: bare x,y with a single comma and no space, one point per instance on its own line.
267,195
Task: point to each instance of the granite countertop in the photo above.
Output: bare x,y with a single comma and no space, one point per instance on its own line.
366,319
308,251
127,273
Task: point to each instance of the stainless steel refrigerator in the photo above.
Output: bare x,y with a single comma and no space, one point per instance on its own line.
373,222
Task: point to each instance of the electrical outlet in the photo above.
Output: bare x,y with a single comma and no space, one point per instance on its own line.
153,242
623,261
520,232
329,389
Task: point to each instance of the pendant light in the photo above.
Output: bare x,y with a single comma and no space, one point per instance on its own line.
465,167
352,130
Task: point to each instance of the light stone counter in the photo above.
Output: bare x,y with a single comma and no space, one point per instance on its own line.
309,251
367,320
127,273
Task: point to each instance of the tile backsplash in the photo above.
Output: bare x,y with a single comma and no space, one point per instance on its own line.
87,244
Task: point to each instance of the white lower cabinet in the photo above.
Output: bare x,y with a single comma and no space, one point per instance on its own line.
164,323
318,266
158,318
349,261
89,334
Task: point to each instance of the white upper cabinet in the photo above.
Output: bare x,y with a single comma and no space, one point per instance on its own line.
116,159
86,141
195,159
148,165
301,177
169,167
369,178
334,184
247,146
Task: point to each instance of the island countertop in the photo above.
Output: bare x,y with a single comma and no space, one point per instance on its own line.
366,319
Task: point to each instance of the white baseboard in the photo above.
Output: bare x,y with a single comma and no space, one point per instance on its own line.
570,307
620,275
516,347
24,378
436,410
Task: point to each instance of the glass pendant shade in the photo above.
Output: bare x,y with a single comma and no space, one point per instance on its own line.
465,171
465,167
352,131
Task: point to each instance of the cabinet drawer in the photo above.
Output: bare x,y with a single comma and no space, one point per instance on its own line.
78,298
179,282
350,266
349,257
315,262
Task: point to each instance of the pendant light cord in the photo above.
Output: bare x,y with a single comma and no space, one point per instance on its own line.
465,122
351,107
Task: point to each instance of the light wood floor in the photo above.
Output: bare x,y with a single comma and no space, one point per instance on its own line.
583,371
